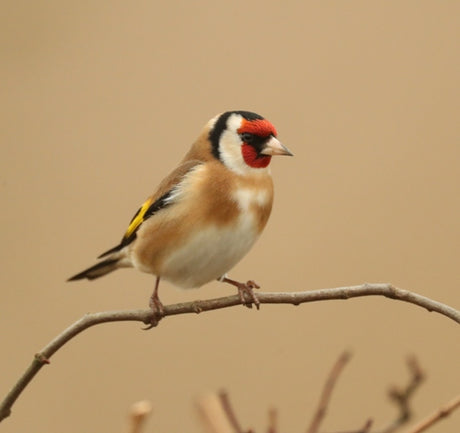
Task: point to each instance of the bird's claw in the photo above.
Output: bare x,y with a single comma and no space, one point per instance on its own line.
158,312
246,290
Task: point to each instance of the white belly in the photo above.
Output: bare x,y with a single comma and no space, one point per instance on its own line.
210,253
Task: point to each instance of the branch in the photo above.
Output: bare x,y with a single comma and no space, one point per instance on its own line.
272,421
212,414
435,417
138,414
229,412
364,429
218,415
145,316
327,392
402,397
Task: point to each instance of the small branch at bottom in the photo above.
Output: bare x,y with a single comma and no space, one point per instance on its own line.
145,316
327,392
441,413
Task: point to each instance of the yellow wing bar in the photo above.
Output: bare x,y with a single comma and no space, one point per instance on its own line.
138,218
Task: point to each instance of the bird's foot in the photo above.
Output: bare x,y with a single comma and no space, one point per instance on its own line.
158,312
245,291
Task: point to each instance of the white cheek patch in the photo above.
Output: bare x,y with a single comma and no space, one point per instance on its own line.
230,149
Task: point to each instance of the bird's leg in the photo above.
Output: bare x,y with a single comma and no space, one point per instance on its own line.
243,290
156,306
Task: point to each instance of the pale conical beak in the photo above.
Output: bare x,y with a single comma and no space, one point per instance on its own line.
274,147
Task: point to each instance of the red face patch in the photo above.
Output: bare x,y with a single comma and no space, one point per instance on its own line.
260,127
252,159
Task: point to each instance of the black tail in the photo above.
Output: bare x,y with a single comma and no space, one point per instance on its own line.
97,270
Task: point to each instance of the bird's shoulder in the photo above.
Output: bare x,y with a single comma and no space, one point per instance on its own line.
164,196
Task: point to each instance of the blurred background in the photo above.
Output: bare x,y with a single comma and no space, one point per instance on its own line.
101,99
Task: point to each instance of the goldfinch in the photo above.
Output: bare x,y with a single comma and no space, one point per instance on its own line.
207,214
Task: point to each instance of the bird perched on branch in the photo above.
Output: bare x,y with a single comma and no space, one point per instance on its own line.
206,215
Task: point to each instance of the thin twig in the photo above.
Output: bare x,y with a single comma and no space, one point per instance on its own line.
272,421
212,415
138,414
327,391
145,316
402,397
441,413
366,428
228,409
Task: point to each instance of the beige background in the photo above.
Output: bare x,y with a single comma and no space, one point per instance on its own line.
101,99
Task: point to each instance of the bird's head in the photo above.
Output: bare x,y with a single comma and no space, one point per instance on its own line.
244,141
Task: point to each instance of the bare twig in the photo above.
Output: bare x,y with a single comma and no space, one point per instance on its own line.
435,417
137,415
402,397
222,411
212,414
217,414
327,391
272,421
230,413
366,428
145,316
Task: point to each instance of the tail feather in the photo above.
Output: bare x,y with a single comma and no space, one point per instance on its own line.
98,270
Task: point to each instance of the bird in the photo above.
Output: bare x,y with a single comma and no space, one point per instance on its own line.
206,214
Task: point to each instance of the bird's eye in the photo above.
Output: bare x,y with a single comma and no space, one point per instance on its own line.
247,137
